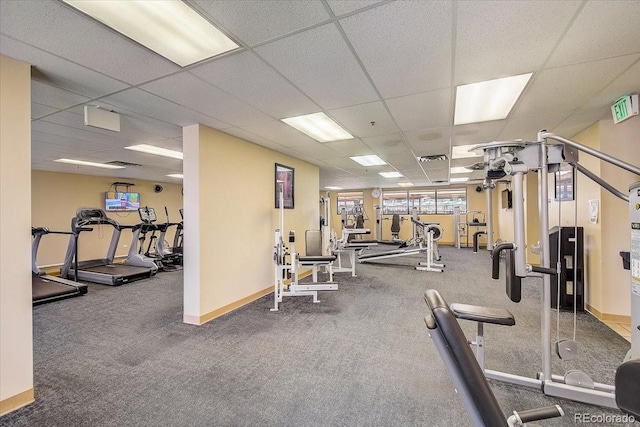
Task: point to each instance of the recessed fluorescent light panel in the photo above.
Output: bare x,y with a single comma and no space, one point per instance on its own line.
405,184
158,151
462,152
391,174
92,164
371,160
489,100
459,169
461,179
333,188
176,175
169,27
318,126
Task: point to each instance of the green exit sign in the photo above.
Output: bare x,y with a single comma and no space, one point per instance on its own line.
624,108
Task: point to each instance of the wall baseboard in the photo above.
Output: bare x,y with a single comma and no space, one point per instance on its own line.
12,403
200,320
607,317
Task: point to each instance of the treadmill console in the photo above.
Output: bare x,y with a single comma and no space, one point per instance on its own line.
84,214
147,215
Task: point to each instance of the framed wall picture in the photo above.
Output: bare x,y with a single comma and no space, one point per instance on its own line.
284,180
565,183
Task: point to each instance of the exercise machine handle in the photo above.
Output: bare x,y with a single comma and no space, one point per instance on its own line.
544,270
538,414
495,258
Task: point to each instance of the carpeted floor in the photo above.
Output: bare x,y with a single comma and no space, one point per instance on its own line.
361,357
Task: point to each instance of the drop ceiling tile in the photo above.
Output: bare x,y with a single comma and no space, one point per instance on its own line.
429,140
257,84
603,29
56,71
580,120
319,62
391,143
349,147
256,139
255,21
477,133
503,38
527,128
39,110
72,137
54,97
65,32
136,126
161,109
317,151
628,82
342,7
191,92
403,158
558,89
358,119
405,46
280,132
422,111
50,151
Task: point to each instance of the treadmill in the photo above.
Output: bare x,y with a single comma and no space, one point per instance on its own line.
46,288
103,270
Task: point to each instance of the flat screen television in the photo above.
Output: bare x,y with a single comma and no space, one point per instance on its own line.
506,199
116,201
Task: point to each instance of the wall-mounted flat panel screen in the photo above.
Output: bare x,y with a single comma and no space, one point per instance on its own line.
116,201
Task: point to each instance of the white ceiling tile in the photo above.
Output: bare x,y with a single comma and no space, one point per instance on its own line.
429,141
280,132
401,158
39,110
256,83
317,151
59,72
627,83
161,109
62,31
477,133
349,147
320,63
341,7
603,29
560,89
72,137
54,97
502,38
527,128
251,137
255,21
580,120
392,143
51,151
191,92
358,119
405,46
423,110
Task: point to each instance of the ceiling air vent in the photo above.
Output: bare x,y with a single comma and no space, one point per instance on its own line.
433,158
124,164
439,181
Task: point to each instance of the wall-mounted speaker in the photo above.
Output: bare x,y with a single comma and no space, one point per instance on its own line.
158,188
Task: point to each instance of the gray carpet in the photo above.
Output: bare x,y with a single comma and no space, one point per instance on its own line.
362,357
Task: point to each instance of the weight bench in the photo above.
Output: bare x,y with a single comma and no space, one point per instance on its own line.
466,373
314,257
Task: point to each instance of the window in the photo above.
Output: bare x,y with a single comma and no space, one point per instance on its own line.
448,198
349,201
427,202
424,201
395,202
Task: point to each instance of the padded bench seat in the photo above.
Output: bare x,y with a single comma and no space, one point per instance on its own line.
316,259
495,316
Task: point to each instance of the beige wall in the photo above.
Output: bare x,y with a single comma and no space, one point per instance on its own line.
475,202
607,283
16,327
56,196
230,217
